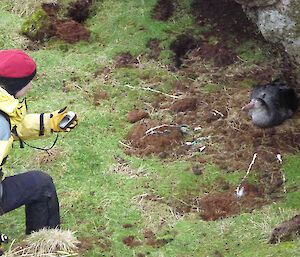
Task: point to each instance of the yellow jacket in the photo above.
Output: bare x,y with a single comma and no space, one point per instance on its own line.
16,124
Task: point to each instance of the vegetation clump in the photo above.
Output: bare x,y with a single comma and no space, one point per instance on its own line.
38,26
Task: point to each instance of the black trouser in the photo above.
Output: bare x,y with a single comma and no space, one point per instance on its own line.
36,190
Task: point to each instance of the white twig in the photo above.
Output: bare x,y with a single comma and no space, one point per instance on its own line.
152,90
240,192
279,158
151,130
282,173
201,149
217,112
125,144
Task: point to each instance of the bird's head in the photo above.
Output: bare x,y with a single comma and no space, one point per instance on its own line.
255,104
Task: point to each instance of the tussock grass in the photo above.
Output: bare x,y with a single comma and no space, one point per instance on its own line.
47,242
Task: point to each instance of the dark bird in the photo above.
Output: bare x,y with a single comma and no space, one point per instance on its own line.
272,104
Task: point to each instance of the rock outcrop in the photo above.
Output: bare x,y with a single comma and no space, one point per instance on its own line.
278,21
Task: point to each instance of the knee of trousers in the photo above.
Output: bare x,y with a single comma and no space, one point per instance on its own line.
44,179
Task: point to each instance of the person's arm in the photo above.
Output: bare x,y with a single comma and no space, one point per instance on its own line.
6,141
33,126
37,126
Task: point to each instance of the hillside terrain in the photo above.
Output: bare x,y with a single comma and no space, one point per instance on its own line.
163,144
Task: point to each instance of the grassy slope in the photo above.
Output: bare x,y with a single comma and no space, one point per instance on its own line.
98,196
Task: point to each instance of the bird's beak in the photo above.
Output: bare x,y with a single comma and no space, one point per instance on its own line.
248,106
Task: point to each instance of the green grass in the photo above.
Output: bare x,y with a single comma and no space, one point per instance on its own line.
97,195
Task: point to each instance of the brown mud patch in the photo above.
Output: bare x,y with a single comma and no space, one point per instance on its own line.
227,18
229,26
150,239
152,137
89,243
163,10
136,115
79,10
220,202
131,241
223,204
285,230
218,54
125,60
153,45
68,30
103,95
180,46
183,105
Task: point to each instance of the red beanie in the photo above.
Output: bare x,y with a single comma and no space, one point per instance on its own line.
17,69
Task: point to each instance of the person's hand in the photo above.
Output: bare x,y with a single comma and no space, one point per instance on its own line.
57,116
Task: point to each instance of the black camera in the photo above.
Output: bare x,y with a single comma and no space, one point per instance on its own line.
67,120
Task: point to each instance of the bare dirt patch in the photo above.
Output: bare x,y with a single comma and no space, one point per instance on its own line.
181,45
100,96
285,230
227,18
136,115
163,10
224,204
144,142
150,239
79,10
125,60
153,45
88,243
131,241
183,105
219,54
68,30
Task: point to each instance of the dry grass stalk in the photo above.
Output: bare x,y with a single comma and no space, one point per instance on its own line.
26,7
47,243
